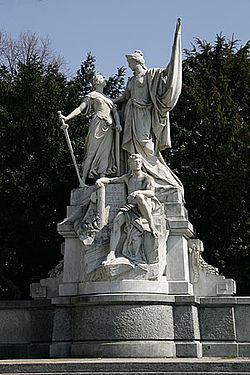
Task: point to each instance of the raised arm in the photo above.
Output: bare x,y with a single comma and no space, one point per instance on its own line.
173,71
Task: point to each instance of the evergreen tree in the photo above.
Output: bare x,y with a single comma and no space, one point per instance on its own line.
36,173
210,130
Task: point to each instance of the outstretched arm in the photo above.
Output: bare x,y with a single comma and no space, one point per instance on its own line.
75,113
106,180
120,99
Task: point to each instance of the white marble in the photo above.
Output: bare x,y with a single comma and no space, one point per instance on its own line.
100,159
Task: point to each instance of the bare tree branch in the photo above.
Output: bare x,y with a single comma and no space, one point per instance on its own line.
27,46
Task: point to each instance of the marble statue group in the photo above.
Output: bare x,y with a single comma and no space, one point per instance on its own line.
132,265
144,129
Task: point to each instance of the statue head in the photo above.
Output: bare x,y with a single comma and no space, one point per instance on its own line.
135,162
136,58
98,80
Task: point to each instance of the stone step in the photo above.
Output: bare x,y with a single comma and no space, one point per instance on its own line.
117,366
128,373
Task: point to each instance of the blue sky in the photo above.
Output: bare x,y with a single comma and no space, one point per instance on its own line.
112,28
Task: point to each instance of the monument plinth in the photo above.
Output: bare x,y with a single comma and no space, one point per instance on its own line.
132,282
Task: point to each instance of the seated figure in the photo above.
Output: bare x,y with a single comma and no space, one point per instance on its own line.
133,216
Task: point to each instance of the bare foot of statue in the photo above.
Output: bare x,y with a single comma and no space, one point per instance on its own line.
110,257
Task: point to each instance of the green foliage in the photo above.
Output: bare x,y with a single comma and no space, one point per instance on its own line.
36,171
115,84
210,130
33,176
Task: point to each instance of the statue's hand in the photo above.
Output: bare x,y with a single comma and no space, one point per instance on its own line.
103,180
62,117
118,128
98,183
132,196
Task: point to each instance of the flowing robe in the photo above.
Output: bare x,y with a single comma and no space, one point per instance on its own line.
99,159
146,115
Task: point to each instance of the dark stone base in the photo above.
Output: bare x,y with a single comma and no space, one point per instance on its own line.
133,367
126,326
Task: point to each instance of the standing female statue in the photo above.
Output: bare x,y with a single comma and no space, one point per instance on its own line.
149,96
99,159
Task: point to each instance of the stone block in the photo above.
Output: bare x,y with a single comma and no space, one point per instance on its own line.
244,349
219,349
124,286
132,298
186,324
15,326
188,349
181,227
38,350
41,325
177,268
60,350
226,287
10,351
169,195
38,291
124,349
62,325
73,260
180,287
123,322
242,318
217,323
194,300
218,301
68,289
175,210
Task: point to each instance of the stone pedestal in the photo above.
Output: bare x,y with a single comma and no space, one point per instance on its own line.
168,306
121,325
126,325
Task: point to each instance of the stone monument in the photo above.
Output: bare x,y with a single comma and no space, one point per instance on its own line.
132,273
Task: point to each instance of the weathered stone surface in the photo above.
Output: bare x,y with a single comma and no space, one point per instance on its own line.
62,328
60,350
38,350
10,351
242,318
188,349
38,291
217,323
180,287
123,322
177,249
132,349
226,349
41,325
244,349
125,286
146,366
15,326
186,324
